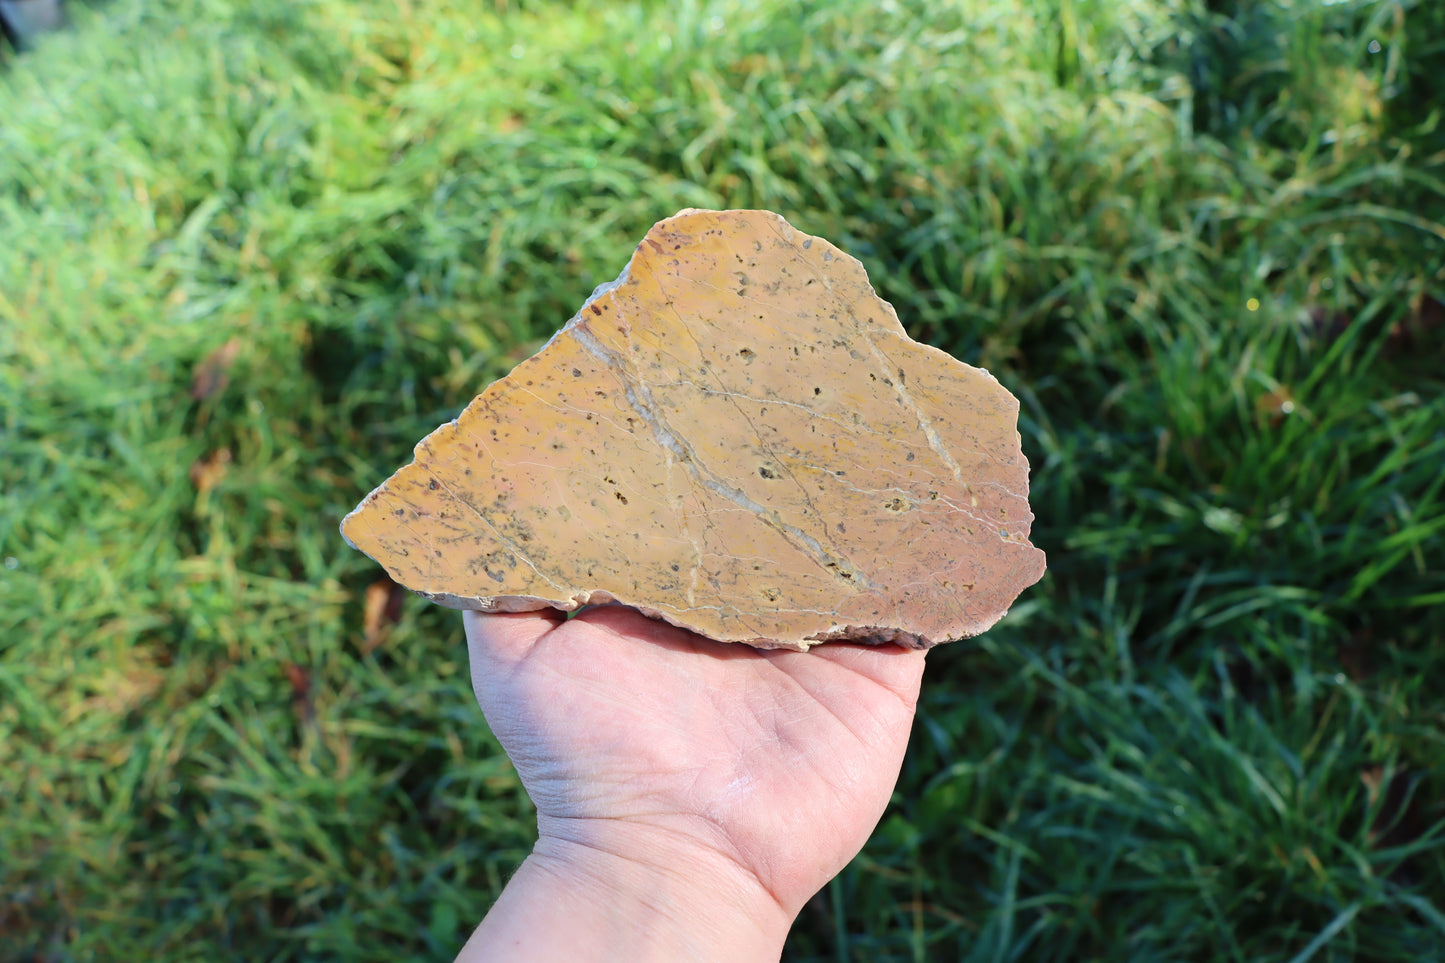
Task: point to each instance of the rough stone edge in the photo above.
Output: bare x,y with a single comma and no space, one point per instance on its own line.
862,634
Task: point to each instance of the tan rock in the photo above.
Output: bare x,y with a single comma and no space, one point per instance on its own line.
736,436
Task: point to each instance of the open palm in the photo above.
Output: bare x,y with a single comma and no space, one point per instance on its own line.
640,738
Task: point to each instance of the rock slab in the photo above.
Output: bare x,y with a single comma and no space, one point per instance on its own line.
736,436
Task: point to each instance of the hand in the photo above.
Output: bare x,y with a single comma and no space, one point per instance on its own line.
720,785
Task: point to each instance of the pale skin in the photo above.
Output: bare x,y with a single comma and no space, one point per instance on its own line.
691,795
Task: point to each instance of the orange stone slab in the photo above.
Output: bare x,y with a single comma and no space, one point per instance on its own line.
735,436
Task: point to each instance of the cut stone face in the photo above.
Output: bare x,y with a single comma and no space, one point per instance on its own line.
735,436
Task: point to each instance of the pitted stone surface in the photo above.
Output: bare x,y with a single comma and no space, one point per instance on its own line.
735,436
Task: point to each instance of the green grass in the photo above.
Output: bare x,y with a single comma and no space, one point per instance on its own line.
1204,245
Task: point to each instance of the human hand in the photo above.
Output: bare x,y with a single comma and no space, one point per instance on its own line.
719,785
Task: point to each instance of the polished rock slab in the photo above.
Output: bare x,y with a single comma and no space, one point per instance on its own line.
736,436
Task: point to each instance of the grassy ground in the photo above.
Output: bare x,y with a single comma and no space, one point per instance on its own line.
250,252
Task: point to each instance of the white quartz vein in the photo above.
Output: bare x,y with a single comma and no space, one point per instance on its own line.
925,425
639,396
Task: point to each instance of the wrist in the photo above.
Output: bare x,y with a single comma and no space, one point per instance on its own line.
579,900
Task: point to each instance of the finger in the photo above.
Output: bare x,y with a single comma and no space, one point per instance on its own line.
897,668
505,638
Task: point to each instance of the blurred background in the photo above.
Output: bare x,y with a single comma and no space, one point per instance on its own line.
251,252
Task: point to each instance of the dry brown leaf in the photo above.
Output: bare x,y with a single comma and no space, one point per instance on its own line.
383,608
736,436
1395,797
1419,329
299,678
207,472
213,374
